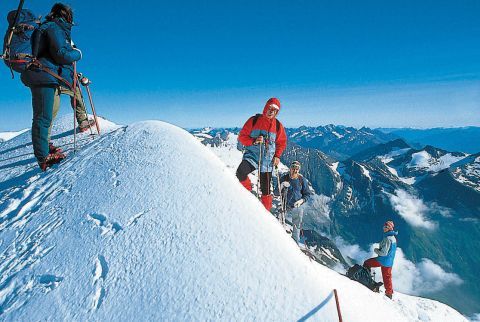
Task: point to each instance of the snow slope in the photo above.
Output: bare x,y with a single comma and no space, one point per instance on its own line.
145,223
5,136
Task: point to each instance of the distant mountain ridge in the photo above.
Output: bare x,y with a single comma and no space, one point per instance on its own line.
465,139
339,141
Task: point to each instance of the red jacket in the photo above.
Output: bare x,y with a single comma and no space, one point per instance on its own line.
274,136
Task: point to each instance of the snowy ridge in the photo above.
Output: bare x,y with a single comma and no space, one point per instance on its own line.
145,223
5,136
467,171
423,160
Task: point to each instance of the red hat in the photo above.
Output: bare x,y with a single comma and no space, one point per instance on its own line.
273,102
389,225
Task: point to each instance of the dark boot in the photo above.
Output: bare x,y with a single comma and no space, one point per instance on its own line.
53,149
51,159
85,125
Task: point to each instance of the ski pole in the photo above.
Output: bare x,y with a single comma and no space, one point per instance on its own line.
284,206
92,106
282,214
74,107
259,169
81,97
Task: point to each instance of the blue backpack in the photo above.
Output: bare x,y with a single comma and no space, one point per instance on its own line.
18,52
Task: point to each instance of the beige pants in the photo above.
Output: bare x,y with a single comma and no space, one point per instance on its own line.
80,109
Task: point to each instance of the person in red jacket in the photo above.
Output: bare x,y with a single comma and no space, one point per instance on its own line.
264,139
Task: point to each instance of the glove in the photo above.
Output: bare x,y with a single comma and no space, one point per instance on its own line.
258,140
84,81
276,161
298,203
284,185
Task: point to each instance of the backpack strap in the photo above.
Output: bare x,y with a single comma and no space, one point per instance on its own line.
300,179
255,119
35,63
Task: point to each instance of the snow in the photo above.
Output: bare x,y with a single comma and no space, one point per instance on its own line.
387,158
397,152
203,135
420,160
334,167
423,160
469,173
145,223
409,180
339,136
365,172
5,136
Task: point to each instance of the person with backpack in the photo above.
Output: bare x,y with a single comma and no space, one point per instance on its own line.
294,188
265,140
50,74
386,255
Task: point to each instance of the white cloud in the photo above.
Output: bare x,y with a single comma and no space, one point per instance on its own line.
317,213
354,252
422,278
412,209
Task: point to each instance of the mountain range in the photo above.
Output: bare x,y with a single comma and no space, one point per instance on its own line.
433,196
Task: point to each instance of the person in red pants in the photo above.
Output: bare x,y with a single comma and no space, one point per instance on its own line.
264,139
386,255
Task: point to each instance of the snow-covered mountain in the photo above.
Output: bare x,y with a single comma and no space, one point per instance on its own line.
427,192
5,136
145,223
467,171
338,141
409,164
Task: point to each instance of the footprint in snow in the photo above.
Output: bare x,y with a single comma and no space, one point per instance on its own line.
106,226
99,275
115,174
49,282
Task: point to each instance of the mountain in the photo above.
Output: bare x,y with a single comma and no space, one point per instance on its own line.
431,194
463,139
145,223
337,141
407,163
467,171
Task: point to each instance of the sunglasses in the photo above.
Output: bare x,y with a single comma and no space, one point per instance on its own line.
295,167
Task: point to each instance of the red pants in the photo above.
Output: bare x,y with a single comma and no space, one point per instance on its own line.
386,274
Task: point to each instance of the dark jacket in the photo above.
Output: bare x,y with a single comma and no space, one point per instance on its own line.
297,190
51,44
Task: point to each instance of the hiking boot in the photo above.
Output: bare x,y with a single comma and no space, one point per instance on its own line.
376,287
389,296
51,159
53,149
85,125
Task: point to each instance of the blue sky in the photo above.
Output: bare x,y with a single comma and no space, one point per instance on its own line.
193,63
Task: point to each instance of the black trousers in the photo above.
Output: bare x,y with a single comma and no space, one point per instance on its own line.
246,167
